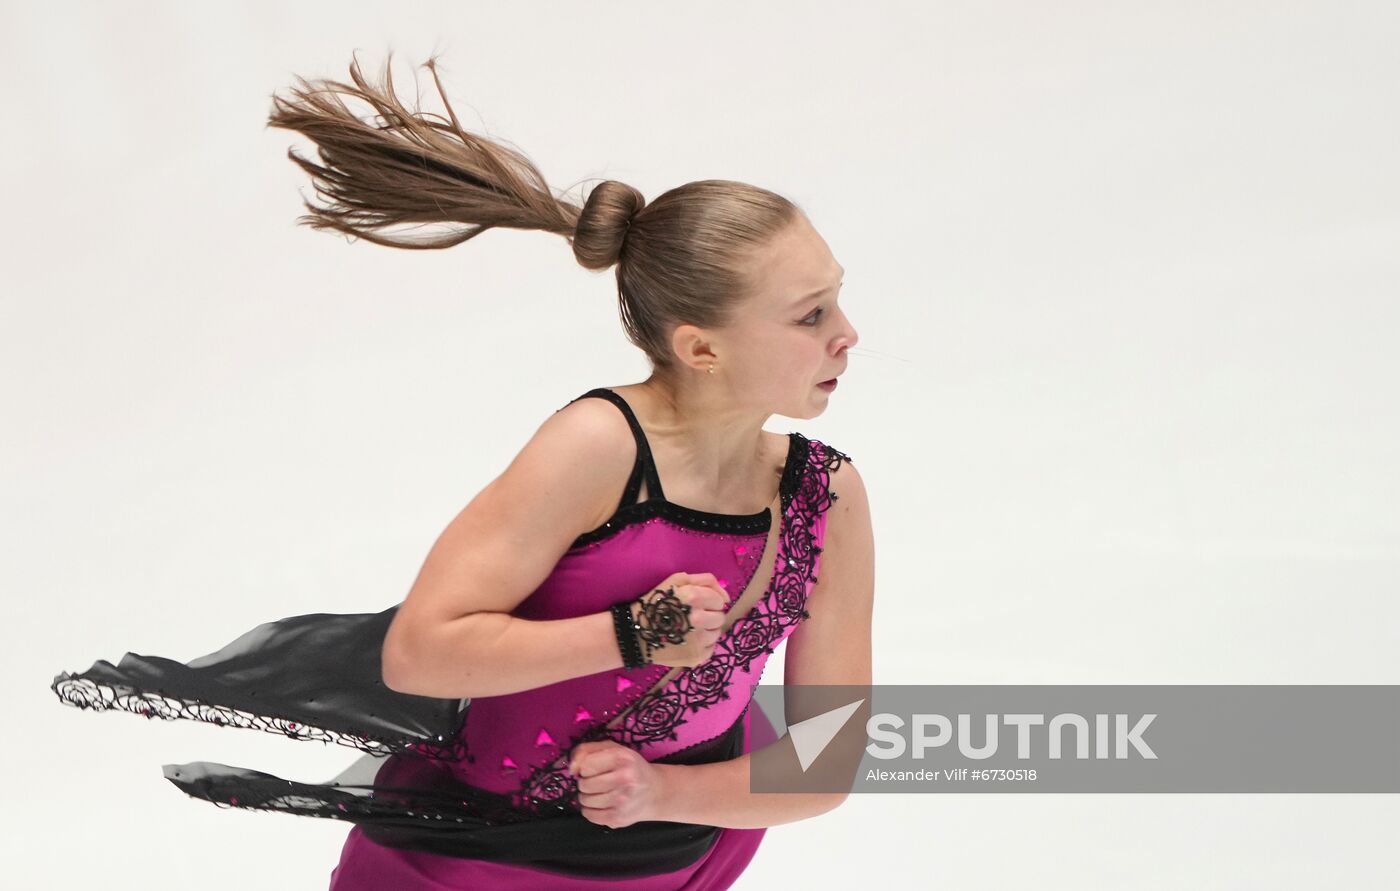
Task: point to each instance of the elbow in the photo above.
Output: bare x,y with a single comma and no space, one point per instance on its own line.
396,667
418,663
394,672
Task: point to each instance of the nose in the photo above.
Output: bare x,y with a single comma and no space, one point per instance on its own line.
849,339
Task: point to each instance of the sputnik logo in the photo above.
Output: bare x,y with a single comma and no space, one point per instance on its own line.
811,736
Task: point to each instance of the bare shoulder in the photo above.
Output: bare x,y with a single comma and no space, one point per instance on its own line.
593,439
508,538
591,425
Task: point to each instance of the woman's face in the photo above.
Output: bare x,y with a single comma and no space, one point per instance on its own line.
791,335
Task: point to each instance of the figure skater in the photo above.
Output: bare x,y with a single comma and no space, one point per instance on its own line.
563,698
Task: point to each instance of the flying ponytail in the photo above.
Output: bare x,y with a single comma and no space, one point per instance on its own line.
686,257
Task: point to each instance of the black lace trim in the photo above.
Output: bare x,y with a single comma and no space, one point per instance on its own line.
451,802
422,806
308,677
806,494
86,693
632,514
700,520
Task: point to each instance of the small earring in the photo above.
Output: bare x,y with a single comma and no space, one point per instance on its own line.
712,368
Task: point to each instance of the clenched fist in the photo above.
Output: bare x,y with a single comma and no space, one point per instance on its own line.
617,786
706,602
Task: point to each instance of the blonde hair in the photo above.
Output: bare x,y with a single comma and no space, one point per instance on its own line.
680,259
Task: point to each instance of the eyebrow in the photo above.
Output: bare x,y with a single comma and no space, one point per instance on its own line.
817,293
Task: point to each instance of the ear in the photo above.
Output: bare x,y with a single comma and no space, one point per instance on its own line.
693,346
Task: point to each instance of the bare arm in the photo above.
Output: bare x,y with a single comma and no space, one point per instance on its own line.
830,647
452,637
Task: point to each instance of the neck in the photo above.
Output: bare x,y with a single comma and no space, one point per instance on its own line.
708,436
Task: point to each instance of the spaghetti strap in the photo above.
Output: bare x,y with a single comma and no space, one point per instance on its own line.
644,465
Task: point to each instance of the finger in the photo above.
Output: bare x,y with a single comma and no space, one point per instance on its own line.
708,599
597,762
595,783
581,752
599,800
593,745
580,759
606,816
708,620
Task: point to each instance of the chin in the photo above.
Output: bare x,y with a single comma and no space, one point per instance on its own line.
815,406
809,404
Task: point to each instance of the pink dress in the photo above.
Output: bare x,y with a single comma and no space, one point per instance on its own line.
476,793
509,737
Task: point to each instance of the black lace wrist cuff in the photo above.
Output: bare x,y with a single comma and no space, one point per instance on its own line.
627,642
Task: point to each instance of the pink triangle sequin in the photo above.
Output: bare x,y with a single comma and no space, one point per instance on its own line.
622,683
507,763
544,739
744,556
583,714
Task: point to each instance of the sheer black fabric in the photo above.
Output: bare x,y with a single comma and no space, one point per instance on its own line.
315,676
318,677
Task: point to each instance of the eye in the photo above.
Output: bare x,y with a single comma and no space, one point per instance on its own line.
815,317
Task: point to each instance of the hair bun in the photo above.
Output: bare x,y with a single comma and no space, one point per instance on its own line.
604,223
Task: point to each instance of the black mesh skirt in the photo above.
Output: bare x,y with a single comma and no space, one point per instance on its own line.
319,677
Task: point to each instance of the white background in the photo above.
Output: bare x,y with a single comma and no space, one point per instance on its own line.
1125,278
